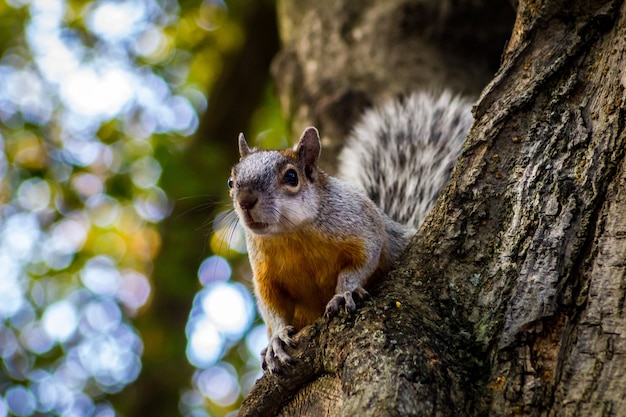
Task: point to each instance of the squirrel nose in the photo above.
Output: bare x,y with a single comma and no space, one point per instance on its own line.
247,200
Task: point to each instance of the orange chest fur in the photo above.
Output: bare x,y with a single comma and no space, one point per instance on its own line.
296,275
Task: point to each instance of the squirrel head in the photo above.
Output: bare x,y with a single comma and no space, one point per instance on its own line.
277,191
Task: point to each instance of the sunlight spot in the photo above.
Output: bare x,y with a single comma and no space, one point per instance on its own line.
101,93
154,205
24,317
11,298
101,276
34,194
180,116
103,315
153,44
25,89
190,402
249,378
104,410
20,401
56,260
211,14
60,320
109,360
214,269
103,210
115,20
86,184
229,307
47,13
22,85
20,235
256,340
35,338
46,391
145,172
81,152
70,375
205,343
197,99
56,58
149,41
134,289
68,235
4,409
9,342
219,383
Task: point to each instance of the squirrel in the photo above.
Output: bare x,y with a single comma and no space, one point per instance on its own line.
317,242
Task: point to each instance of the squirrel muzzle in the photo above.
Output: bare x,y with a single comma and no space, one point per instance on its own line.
247,201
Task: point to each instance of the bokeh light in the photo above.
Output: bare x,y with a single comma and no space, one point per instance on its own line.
222,311
94,97
205,343
229,307
116,20
60,320
214,269
80,199
219,383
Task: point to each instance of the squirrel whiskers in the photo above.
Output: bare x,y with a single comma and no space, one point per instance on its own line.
316,242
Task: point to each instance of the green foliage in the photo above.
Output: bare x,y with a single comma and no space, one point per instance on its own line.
104,224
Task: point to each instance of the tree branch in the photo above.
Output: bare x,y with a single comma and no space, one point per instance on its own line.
504,288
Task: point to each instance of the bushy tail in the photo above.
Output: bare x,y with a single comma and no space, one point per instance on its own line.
402,153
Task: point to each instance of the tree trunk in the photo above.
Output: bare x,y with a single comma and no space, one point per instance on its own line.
510,299
340,57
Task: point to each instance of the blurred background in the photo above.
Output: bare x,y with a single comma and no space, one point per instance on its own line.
124,289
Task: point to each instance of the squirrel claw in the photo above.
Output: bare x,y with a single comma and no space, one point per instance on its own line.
274,354
346,300
361,293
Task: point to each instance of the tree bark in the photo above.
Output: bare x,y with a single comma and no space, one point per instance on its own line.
340,57
510,299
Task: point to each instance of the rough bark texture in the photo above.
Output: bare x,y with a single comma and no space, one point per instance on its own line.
339,57
510,299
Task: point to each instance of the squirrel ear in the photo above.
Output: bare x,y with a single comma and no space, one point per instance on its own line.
309,146
244,150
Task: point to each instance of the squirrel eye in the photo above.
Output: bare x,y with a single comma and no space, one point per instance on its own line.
290,177
230,182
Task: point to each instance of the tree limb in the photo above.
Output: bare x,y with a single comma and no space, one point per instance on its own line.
510,299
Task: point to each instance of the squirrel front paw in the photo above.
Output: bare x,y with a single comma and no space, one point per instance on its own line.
274,354
345,299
